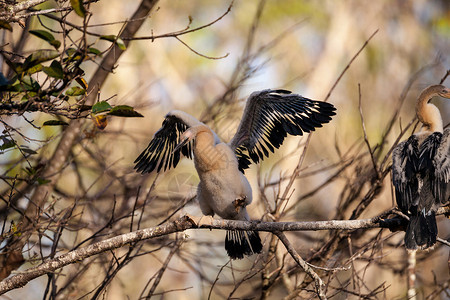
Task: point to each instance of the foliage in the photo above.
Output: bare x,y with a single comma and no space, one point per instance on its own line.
70,68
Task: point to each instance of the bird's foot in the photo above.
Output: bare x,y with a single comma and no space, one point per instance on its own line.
239,203
203,221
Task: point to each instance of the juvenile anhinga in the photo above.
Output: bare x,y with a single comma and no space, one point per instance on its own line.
268,117
421,171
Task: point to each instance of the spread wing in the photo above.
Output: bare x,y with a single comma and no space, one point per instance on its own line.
269,116
405,165
435,159
159,153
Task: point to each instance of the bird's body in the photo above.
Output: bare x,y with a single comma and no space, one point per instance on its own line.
223,189
225,186
421,172
220,178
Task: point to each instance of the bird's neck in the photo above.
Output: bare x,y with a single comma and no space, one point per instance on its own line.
430,117
204,141
205,152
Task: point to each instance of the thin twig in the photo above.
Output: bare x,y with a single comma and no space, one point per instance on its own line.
320,286
181,32
198,53
366,140
349,63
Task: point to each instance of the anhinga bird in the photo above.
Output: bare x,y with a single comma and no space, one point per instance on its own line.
421,171
268,117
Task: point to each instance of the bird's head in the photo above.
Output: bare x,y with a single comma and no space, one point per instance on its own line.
185,138
444,92
192,133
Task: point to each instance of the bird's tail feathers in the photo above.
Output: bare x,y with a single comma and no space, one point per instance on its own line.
239,243
421,232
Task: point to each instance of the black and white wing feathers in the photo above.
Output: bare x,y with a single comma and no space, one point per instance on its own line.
435,162
159,153
405,166
269,116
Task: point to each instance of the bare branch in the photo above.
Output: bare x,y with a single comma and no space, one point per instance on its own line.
366,139
183,223
181,32
320,286
198,53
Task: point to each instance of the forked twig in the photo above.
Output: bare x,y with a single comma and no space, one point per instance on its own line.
320,286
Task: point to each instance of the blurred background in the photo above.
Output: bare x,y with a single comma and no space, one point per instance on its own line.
302,46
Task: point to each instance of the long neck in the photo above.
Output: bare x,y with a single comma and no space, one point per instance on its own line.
204,141
205,152
429,114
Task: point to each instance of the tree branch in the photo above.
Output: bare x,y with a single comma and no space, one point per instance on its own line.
185,222
71,133
320,286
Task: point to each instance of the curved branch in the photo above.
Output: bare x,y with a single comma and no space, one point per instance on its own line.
180,32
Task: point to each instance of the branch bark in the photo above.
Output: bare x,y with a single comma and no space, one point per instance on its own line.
182,224
9,11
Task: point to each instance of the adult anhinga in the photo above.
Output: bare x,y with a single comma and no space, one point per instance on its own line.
421,171
268,117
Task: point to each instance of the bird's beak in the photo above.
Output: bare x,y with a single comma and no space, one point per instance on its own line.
445,93
181,144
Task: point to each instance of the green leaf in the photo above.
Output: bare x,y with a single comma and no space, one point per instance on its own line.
73,55
7,143
114,39
75,91
78,7
100,107
55,123
44,55
39,57
71,52
95,51
55,70
43,34
30,171
5,25
35,69
29,95
27,150
55,44
46,36
124,111
42,181
27,83
111,38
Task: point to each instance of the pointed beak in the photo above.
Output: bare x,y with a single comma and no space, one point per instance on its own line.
181,144
445,93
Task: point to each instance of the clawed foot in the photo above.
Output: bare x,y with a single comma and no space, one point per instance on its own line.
239,203
203,221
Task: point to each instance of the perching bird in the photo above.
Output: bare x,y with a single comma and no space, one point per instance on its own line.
421,171
268,117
